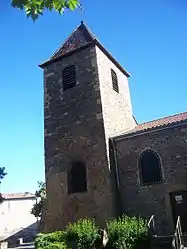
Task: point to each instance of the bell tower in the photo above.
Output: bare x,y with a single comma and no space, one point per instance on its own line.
85,104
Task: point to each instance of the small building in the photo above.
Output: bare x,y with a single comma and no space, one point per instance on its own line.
99,161
16,219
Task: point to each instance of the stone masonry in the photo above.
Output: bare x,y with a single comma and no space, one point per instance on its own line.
94,124
171,146
74,130
116,107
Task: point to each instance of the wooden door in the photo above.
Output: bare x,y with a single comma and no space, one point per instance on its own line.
179,207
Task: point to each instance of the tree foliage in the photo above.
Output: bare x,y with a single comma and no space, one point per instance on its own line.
35,8
38,207
2,175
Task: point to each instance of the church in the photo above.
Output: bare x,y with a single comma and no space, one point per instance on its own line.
99,162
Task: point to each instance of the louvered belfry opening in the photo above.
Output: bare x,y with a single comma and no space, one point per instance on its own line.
69,77
114,81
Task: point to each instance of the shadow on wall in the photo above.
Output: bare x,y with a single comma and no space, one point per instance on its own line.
27,233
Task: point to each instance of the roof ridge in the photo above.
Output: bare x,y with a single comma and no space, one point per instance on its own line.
167,121
62,44
80,38
17,193
88,30
82,27
173,115
92,34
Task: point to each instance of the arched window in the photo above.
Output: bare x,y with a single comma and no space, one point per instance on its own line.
114,81
150,168
69,77
77,180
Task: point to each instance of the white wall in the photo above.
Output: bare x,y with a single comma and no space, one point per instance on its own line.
15,214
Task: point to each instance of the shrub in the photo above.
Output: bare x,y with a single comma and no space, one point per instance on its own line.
57,245
52,239
84,233
126,232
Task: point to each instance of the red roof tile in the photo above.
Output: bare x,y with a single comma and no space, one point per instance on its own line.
158,123
163,121
18,195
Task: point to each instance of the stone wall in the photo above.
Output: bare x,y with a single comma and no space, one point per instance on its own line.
116,110
74,130
171,146
116,107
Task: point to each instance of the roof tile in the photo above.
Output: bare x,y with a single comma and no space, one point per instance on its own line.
158,123
79,38
18,195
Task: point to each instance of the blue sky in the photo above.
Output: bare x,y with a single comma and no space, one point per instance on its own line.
149,39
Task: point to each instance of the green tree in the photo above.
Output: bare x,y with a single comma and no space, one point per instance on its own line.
35,8
38,207
2,175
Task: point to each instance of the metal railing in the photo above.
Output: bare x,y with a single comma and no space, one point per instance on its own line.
177,238
151,226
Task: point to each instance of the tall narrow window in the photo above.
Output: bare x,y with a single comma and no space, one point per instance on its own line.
150,168
114,81
77,180
69,77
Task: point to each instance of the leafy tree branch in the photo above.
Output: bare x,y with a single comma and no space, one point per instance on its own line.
38,207
2,175
35,8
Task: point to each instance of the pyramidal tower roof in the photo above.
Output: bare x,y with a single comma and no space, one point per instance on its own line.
80,38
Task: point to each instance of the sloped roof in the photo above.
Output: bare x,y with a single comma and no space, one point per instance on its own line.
80,38
158,123
18,196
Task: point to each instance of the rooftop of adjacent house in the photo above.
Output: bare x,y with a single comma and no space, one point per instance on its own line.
168,121
79,39
25,195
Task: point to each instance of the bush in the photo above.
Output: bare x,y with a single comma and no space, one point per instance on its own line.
57,245
123,233
84,233
55,240
126,232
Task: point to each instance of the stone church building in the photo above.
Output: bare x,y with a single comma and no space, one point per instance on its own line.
99,161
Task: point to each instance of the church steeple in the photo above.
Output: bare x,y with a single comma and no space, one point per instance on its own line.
87,101
79,38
